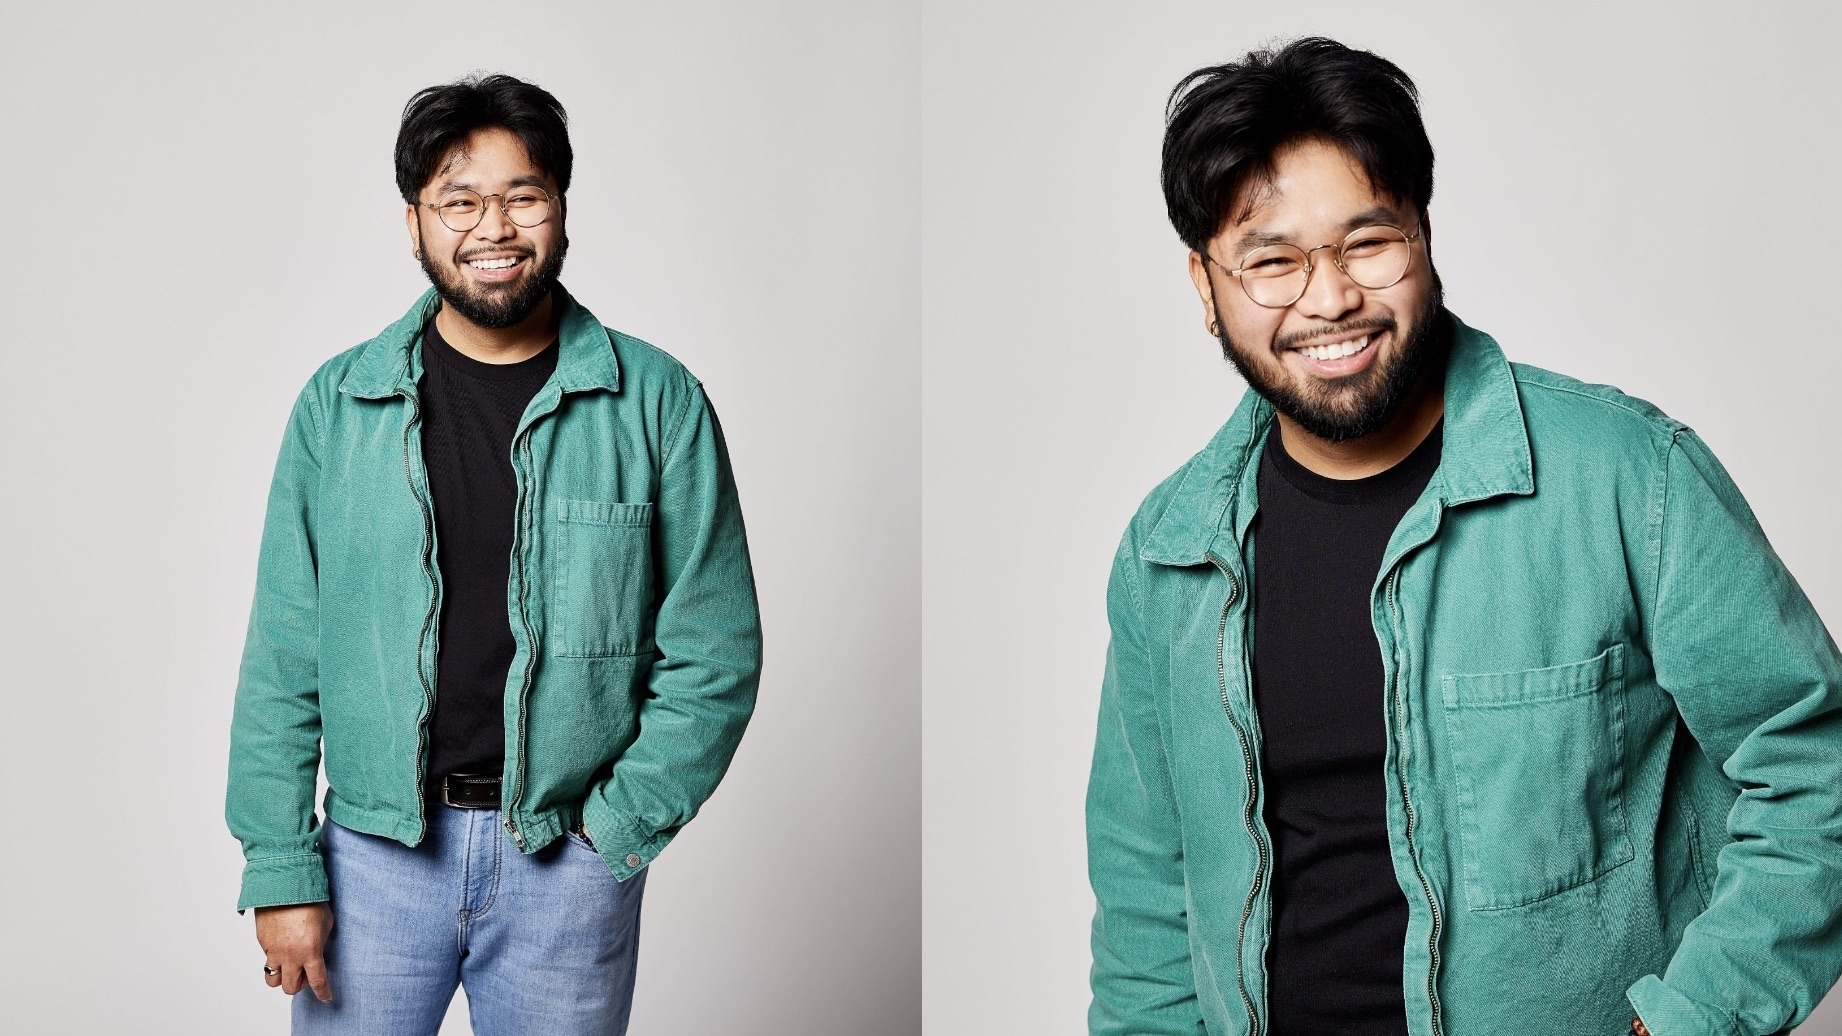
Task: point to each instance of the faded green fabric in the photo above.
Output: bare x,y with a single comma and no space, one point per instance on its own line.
1614,767
631,602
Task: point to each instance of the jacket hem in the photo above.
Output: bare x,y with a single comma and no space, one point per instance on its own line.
382,823
621,838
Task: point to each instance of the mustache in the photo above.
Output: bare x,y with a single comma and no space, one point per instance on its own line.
1334,331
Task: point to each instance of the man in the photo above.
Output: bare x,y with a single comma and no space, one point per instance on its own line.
504,582
1445,695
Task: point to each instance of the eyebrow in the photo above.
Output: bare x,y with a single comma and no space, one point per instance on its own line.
1368,218
447,186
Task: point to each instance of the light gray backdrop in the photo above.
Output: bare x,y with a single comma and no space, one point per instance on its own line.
1644,195
199,209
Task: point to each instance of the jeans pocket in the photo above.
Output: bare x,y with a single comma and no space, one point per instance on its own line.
579,836
601,579
1539,759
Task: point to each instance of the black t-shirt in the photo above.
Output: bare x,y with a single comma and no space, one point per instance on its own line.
470,411
1339,915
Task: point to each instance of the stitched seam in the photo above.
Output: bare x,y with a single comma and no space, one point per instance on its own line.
1696,853
498,868
1132,590
684,416
272,859
638,652
466,881
1659,521
1651,416
319,419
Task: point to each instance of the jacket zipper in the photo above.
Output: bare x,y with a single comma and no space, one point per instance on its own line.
428,620
1400,770
530,636
1247,813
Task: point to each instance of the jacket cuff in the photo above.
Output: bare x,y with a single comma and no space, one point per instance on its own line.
626,843
283,881
1667,1012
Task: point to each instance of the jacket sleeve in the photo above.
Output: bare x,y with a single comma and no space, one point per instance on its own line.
275,729
708,634
1142,978
1758,681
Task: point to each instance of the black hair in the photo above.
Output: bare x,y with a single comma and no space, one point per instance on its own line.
439,117
1224,124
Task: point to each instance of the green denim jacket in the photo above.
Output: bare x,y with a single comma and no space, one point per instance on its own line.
1614,763
631,602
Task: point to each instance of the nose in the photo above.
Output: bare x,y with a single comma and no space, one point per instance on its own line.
495,225
1330,296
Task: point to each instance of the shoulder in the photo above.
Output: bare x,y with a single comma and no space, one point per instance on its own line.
647,370
1194,498
1569,417
334,370
322,389
1152,508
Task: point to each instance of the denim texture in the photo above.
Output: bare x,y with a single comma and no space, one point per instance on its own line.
543,943
1614,766
631,601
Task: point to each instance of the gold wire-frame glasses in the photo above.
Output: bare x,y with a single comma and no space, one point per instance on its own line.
1275,276
524,206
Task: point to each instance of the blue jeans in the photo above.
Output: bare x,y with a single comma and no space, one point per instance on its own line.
544,943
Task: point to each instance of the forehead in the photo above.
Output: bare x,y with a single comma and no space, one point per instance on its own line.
489,158
1315,190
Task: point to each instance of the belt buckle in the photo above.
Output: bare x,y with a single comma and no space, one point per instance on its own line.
447,791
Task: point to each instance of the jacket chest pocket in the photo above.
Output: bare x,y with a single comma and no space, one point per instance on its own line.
1539,758
600,579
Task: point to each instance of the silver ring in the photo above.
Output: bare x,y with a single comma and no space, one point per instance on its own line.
270,972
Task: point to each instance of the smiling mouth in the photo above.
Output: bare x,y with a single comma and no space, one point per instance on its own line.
1337,350
497,263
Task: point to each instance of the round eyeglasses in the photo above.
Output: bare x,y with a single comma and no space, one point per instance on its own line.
461,211
1275,276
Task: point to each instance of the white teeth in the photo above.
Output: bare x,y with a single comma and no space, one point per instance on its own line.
1336,350
493,264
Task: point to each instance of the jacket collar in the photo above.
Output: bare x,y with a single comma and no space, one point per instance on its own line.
1485,453
391,363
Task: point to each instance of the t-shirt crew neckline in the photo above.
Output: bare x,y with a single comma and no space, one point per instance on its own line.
1416,468
461,363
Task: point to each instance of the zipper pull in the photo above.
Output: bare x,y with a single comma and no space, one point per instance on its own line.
516,836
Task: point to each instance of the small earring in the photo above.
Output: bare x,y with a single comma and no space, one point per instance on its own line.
1215,329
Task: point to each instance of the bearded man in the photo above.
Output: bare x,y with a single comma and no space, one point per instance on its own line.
504,595
1445,695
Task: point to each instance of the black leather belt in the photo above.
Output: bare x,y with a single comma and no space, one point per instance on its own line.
470,790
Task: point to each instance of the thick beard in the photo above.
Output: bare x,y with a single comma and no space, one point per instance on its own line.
499,307
1361,404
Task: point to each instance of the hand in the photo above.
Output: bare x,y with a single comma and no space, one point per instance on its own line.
293,942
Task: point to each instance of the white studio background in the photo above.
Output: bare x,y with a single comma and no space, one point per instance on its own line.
201,209
1643,195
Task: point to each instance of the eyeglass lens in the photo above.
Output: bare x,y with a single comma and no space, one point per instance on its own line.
1373,257
461,211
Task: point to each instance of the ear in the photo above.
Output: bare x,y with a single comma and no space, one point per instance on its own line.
415,231
1205,288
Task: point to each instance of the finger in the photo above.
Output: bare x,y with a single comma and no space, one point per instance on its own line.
316,977
272,978
291,979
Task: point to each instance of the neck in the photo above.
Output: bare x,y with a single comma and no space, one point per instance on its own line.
521,341
1375,453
